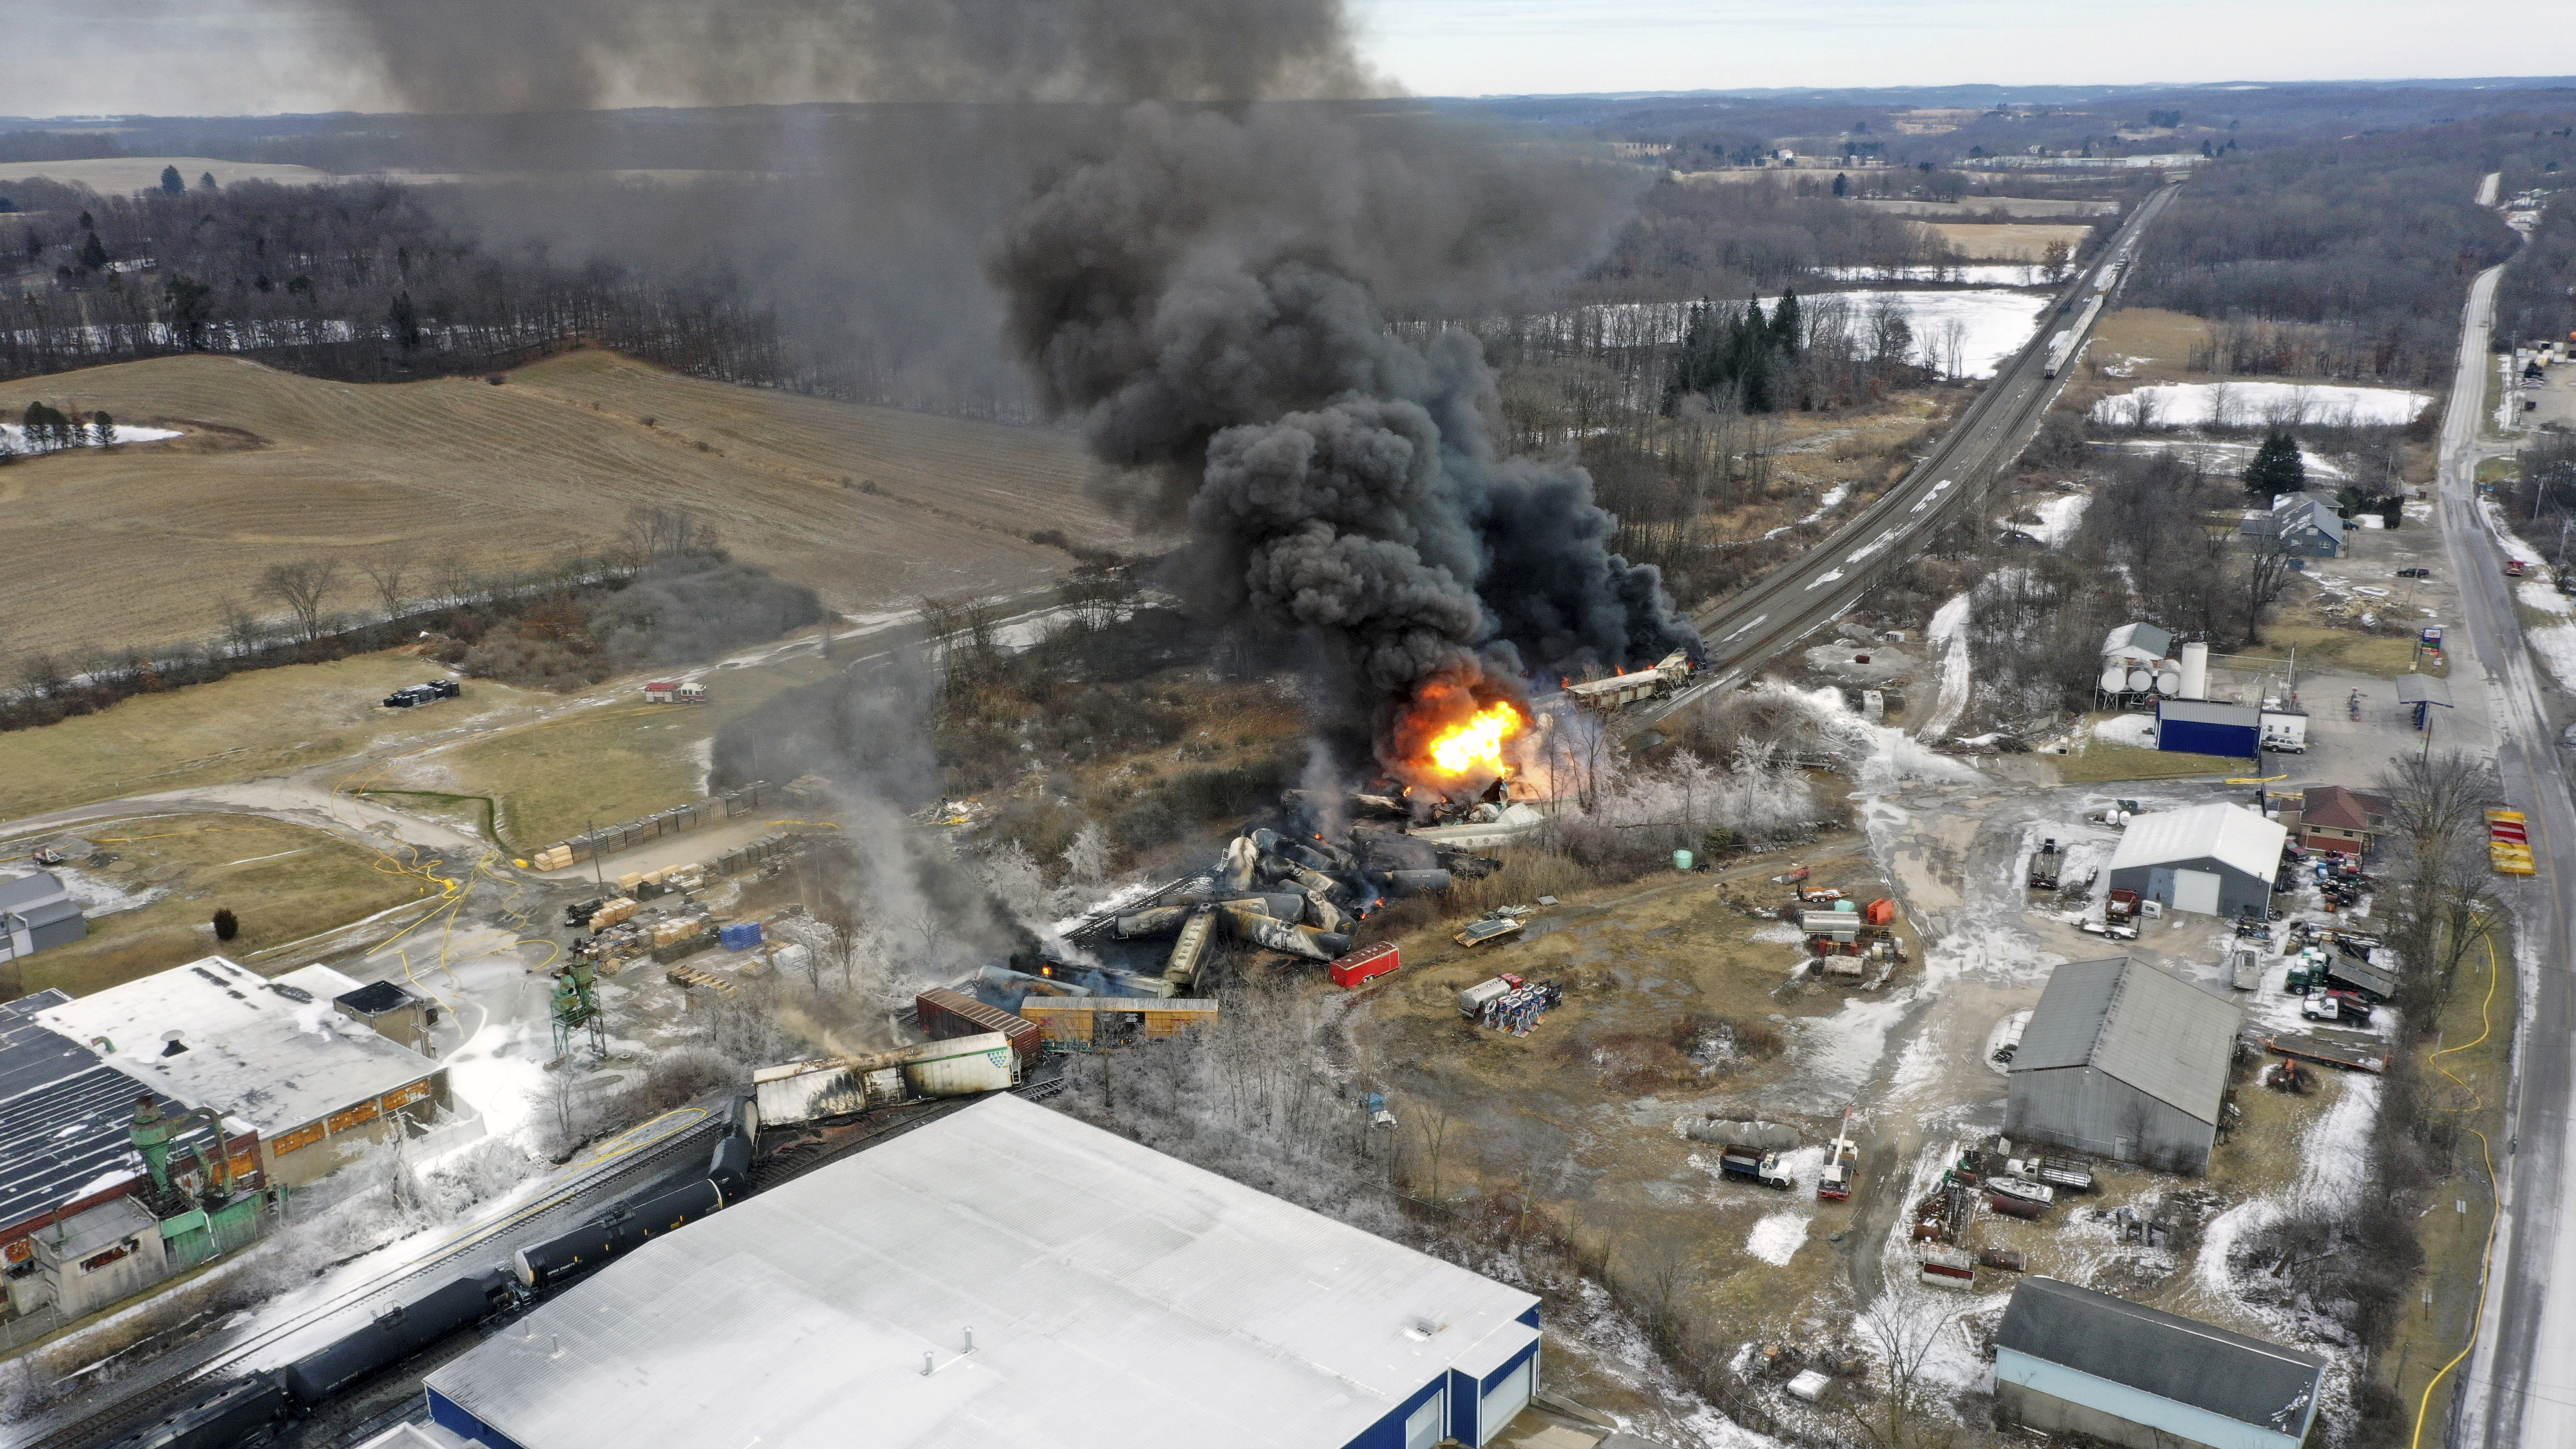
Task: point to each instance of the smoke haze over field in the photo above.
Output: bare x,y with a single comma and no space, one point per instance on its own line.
1205,286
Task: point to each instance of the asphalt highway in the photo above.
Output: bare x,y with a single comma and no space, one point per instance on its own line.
1746,631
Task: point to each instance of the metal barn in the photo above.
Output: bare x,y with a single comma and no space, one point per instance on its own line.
2072,1361
2122,1060
2216,860
1007,1275
37,912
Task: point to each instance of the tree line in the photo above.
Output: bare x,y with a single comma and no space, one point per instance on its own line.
664,592
2341,259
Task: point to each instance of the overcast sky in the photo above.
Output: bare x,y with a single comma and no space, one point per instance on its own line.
202,57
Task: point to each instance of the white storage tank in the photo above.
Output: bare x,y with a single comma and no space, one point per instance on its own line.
2195,670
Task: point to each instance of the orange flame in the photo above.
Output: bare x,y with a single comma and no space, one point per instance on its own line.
1476,741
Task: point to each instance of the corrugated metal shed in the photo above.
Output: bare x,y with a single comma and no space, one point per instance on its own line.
2156,1032
2170,1357
1118,1297
2229,834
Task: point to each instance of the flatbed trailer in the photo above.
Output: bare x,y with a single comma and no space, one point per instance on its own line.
2324,1053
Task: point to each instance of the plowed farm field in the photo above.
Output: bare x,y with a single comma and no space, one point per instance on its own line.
139,545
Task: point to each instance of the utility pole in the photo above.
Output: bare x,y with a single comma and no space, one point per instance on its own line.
596,872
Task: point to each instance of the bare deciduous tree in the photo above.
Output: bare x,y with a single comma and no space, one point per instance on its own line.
301,588
1902,1328
385,571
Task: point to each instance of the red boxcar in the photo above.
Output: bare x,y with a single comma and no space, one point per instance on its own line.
1365,964
945,1013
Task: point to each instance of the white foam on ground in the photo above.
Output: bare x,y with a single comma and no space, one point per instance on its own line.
2127,729
2253,404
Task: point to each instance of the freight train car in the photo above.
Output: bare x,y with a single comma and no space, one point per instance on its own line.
794,1093
396,1334
542,1265
230,1415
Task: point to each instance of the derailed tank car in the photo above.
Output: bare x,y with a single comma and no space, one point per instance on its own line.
541,1265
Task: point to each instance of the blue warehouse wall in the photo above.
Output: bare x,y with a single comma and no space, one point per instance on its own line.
446,1414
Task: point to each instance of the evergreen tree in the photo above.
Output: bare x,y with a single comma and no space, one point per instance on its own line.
1786,325
172,183
93,257
1842,184
405,320
206,181
2276,468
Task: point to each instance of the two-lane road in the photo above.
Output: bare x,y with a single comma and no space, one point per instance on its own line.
2521,1384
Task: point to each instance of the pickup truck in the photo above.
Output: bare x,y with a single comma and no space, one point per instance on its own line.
2055,1172
1752,1164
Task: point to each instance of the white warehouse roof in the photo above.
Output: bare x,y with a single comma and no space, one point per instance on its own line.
275,1054
2229,834
1118,1297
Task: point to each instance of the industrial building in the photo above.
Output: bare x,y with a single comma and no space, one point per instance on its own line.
2072,1361
1007,1275
2214,860
37,913
2209,727
80,1225
2122,1060
274,1054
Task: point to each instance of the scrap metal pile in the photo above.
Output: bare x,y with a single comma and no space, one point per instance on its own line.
1301,895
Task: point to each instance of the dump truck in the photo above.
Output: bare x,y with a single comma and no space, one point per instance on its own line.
2120,906
1752,1164
2045,863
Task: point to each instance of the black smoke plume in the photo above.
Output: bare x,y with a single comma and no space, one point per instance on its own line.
1209,240
1203,290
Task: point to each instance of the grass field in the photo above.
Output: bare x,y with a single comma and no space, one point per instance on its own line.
1985,205
558,777
2103,760
122,175
2325,648
285,882
2014,241
262,723
139,545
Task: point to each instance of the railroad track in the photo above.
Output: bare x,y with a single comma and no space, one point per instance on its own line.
102,1424
1750,629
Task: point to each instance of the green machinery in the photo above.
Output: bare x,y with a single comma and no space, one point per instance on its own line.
576,1011
218,1216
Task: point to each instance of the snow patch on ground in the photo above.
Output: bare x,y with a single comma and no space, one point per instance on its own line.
2127,729
2252,404
1949,633
1993,322
2556,646
1845,1047
2057,518
15,436
2534,594
1779,933
1777,1238
1832,500
97,897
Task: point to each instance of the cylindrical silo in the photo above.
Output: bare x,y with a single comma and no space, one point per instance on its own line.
2195,670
